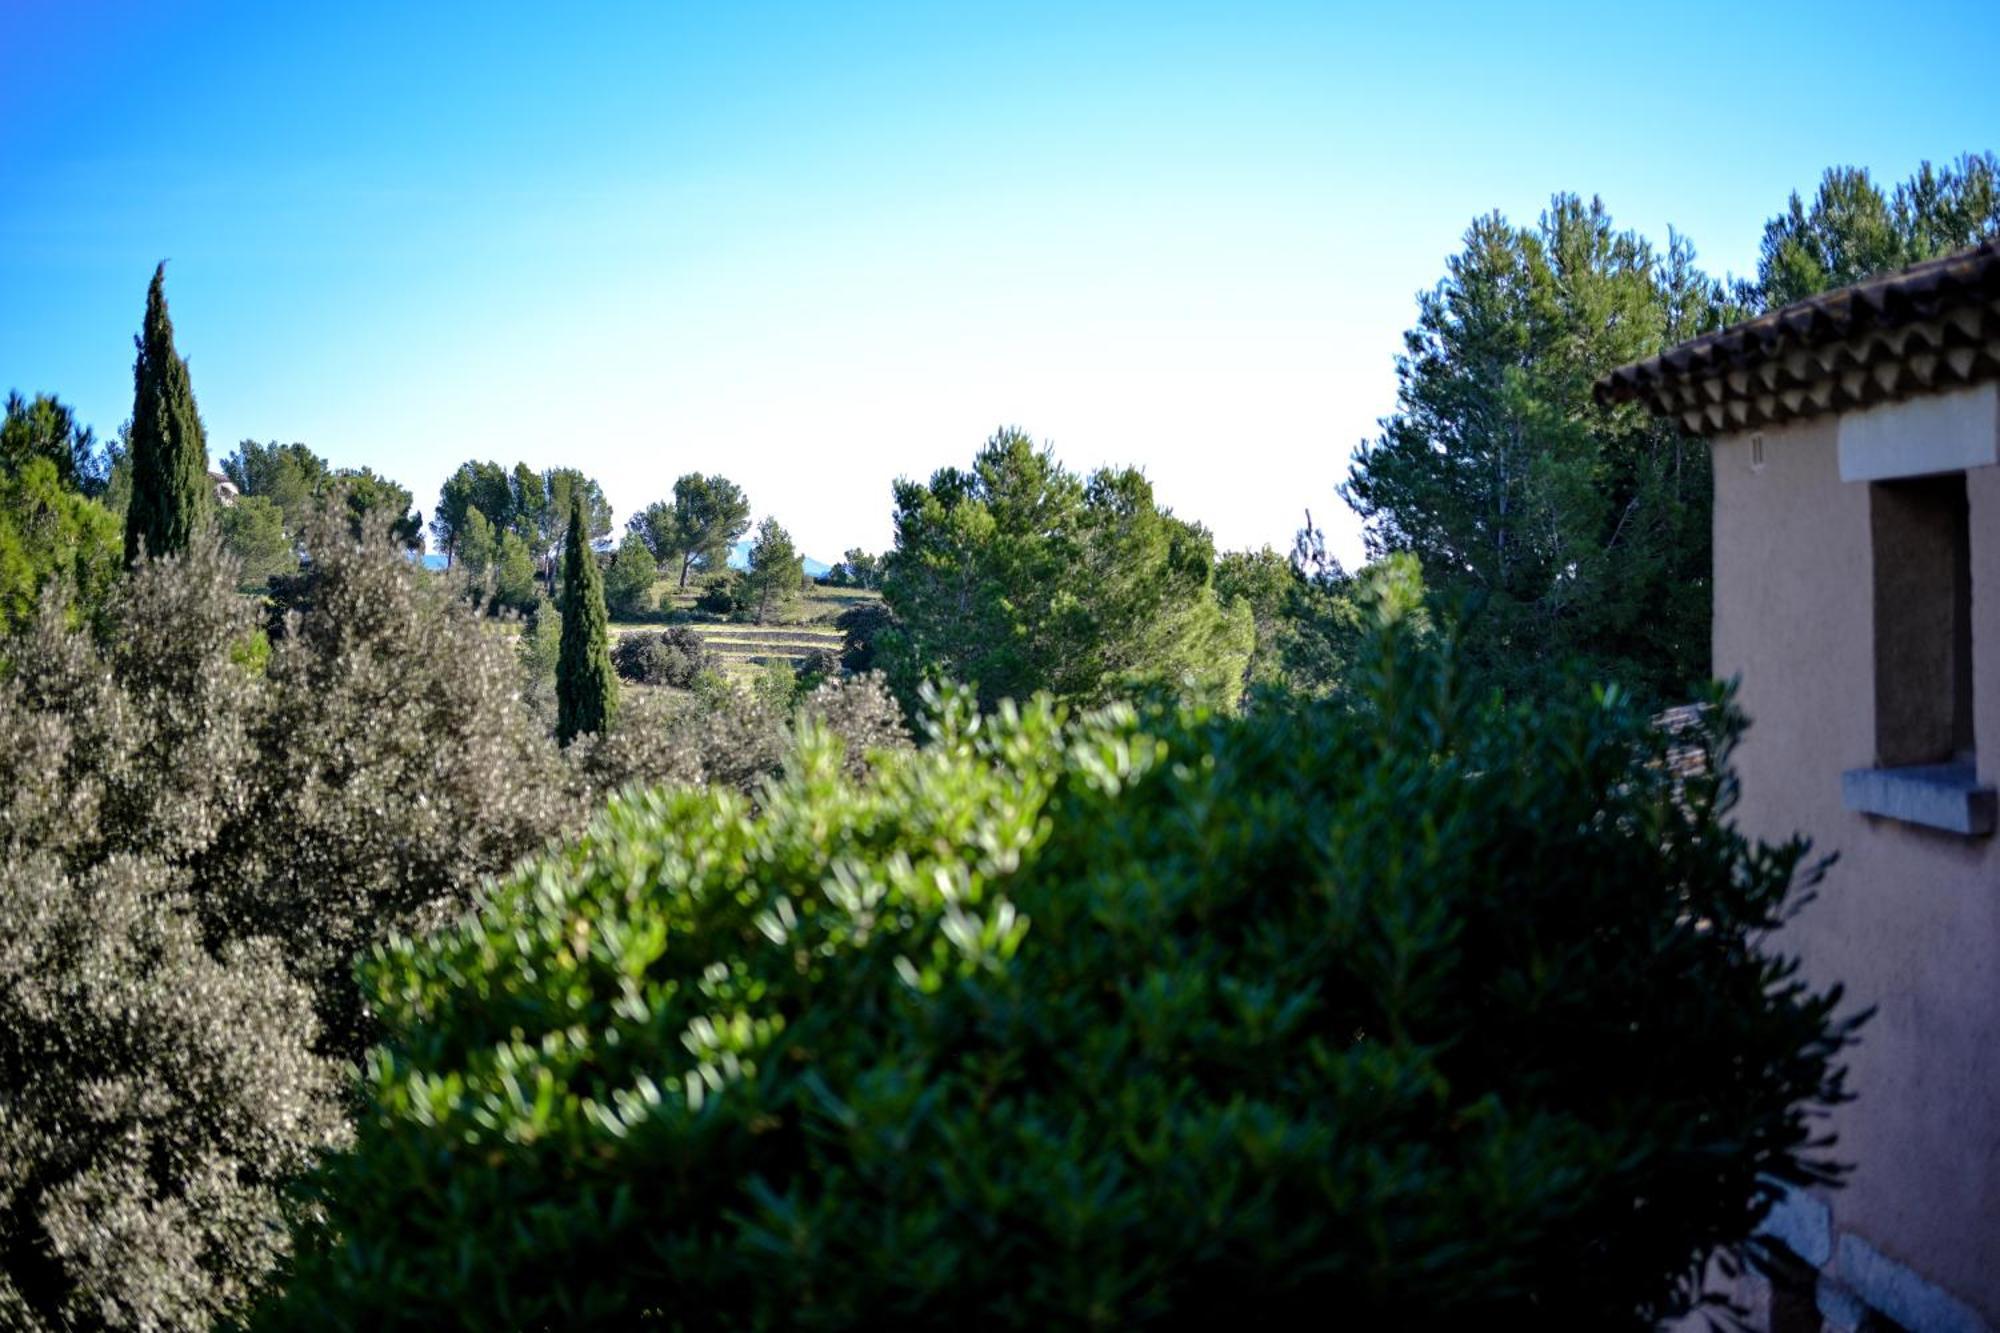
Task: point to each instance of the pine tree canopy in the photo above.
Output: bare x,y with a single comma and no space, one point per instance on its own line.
1852,230
1575,537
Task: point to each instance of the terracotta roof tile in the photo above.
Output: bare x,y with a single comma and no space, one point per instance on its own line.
1931,326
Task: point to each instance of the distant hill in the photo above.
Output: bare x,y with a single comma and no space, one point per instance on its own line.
739,558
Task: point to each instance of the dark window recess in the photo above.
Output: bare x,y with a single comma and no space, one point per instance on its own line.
1923,621
1925,772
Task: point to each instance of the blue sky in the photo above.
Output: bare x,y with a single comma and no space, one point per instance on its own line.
815,247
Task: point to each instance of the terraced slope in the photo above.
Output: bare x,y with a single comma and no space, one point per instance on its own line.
754,645
743,647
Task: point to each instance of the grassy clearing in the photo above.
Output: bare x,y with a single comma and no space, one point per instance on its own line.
820,606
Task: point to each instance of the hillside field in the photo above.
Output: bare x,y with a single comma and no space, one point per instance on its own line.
744,646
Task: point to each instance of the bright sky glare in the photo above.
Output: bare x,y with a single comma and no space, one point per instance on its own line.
815,247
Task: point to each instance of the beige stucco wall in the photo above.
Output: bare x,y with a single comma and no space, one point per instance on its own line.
1909,919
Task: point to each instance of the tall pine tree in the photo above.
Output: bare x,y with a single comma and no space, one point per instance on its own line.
1575,535
586,690
170,487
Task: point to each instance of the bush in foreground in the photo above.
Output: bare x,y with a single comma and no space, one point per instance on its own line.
159,1081
1408,1012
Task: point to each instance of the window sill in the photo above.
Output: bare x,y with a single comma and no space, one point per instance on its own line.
1939,796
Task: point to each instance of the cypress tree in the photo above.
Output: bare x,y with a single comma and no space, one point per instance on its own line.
586,690
170,490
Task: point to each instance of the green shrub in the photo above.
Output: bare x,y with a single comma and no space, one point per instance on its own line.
1405,1012
815,669
862,627
722,594
776,686
629,577
49,532
674,656
537,651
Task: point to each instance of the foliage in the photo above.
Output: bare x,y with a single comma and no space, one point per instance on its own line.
697,529
392,768
1266,583
859,712
475,485
531,515
117,496
730,739
1049,1026
51,533
628,582
543,517
776,577
158,1084
537,652
1019,576
290,476
1851,231
369,497
1329,619
723,594
283,488
253,531
497,565
1579,535
857,569
47,428
1305,621
861,627
815,668
1309,613
158,1098
673,657
201,828
534,506
171,495
776,686
586,687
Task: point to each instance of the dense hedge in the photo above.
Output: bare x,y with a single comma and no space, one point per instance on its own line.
1411,1013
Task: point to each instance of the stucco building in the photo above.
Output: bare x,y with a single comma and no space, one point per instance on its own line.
1856,443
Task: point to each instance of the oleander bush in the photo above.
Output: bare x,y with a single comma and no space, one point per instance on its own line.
1404,1011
